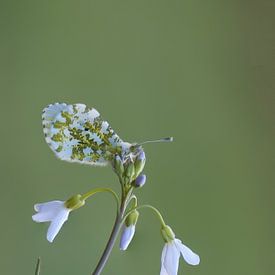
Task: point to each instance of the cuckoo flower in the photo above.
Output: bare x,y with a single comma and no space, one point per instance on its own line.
171,252
57,213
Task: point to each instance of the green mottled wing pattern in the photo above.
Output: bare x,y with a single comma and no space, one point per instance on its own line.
76,133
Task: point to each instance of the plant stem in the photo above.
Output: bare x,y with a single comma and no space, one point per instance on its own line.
110,244
146,206
37,268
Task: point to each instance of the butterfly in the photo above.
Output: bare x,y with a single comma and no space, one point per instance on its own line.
76,133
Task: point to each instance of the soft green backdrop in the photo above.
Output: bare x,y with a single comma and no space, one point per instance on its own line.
201,71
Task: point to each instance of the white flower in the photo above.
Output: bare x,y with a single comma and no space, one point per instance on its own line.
171,254
55,212
126,236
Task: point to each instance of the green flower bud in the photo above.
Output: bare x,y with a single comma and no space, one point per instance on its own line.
118,165
132,218
167,233
139,163
74,202
130,171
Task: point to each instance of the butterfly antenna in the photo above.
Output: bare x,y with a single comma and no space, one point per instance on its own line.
167,139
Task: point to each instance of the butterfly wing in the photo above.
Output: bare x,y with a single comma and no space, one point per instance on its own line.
76,133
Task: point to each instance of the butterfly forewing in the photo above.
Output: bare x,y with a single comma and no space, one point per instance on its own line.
76,133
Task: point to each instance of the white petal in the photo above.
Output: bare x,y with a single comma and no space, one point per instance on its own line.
189,256
42,217
170,259
126,236
164,250
47,211
57,223
48,206
163,271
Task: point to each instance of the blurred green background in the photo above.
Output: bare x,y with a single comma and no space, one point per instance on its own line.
201,71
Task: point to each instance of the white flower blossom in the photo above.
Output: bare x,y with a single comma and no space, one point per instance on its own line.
55,212
127,236
171,254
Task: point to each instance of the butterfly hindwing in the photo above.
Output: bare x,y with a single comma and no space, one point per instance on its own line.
76,133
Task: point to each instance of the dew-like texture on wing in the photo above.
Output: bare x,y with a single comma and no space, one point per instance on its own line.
77,133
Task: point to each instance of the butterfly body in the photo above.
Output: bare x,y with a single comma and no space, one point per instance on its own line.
76,133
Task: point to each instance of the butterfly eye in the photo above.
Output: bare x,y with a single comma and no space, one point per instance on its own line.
132,149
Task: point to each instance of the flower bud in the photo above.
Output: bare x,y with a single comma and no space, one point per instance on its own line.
130,171
128,231
139,163
74,202
167,233
118,165
127,235
140,181
132,218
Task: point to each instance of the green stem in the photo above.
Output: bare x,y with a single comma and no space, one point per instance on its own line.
38,265
155,210
99,190
110,244
125,199
135,204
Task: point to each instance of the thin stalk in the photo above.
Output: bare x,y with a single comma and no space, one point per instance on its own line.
98,190
38,265
110,244
155,210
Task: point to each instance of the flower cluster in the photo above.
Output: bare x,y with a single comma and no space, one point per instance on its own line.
128,170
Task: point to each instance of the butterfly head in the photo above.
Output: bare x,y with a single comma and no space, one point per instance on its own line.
130,151
129,161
